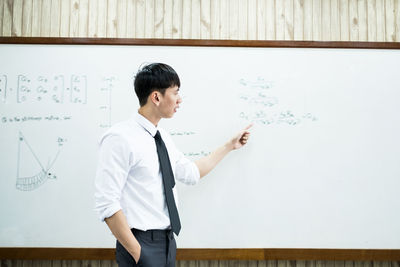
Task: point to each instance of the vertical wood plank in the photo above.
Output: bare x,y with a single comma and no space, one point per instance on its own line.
108,263
7,17
317,20
215,19
380,21
114,263
308,20
252,20
397,8
92,19
168,7
130,19
335,21
272,263
224,19
140,18
390,21
177,19
5,263
298,24
17,18
186,19
45,263
25,263
205,19
362,20
233,19
339,264
112,19
195,11
310,264
348,264
159,19
26,17
300,264
358,264
280,19
45,18
36,18
121,18
83,18
261,19
55,18
102,18
65,18
203,263
74,19
326,20
1,16
149,19
270,27
344,20
353,13
281,263
289,20
371,20
243,20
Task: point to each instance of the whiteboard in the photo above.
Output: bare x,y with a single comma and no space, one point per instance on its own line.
321,170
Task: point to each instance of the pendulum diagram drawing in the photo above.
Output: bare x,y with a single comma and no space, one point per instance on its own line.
31,172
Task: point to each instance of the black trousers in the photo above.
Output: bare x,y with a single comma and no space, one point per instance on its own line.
158,249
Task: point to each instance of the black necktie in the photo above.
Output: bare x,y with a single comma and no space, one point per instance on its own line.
169,183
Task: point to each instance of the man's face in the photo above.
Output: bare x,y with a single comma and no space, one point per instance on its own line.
169,102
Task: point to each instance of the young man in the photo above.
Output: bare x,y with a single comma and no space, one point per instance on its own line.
138,165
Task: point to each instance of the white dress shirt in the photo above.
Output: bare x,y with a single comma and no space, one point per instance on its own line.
128,175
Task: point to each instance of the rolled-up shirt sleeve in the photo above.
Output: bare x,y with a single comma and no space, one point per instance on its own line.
111,175
186,171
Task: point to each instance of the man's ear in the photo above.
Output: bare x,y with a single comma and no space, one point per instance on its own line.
155,97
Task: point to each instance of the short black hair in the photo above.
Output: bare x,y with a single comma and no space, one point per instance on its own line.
154,77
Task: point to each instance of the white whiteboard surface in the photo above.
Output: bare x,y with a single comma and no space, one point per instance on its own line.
322,168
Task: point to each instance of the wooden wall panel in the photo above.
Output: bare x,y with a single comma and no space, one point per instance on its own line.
319,20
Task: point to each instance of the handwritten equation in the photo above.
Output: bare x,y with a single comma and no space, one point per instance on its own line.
196,153
263,107
284,117
181,133
3,88
21,119
105,106
49,89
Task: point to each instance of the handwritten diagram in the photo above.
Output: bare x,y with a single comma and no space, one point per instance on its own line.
41,173
264,107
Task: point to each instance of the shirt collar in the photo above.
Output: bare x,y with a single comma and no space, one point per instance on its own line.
146,124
